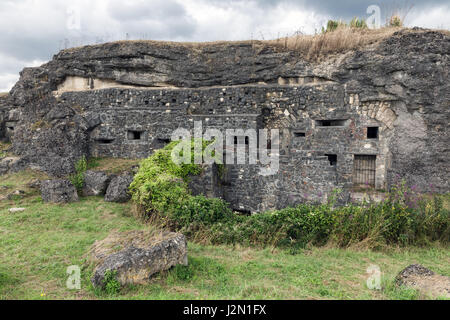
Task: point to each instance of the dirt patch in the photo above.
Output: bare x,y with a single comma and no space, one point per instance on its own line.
425,281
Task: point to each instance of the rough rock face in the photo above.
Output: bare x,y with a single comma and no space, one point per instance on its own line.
125,99
118,189
58,191
424,280
95,183
137,255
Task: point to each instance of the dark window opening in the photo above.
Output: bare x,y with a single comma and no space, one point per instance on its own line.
332,158
299,134
266,112
163,140
146,102
243,212
105,141
11,128
372,133
134,135
331,123
174,100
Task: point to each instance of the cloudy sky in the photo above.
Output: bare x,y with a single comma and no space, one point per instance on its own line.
34,30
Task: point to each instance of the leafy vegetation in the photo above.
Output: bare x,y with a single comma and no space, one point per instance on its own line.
355,23
395,21
358,23
77,178
111,284
160,185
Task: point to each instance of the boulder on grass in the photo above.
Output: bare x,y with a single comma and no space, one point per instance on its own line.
95,183
118,189
58,191
135,256
425,281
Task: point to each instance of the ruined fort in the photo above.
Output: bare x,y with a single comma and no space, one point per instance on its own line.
357,119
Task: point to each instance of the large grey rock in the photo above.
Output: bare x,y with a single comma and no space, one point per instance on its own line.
136,255
118,189
424,280
10,164
95,183
58,191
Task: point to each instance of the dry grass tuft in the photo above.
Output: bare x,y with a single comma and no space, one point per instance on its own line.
343,39
313,48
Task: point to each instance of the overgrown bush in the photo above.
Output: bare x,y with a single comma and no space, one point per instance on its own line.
405,217
160,186
110,283
332,25
358,23
395,21
77,178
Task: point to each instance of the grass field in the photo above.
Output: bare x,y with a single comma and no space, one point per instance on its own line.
38,244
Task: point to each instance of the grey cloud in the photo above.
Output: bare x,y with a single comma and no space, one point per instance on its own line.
343,9
156,9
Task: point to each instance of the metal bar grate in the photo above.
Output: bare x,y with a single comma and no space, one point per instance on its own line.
364,170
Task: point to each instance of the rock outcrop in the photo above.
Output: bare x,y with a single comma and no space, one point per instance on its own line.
58,191
425,281
135,256
118,189
95,183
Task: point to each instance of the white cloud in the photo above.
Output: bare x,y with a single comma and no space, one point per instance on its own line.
7,81
246,20
436,18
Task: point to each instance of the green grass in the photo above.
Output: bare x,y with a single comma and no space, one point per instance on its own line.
37,245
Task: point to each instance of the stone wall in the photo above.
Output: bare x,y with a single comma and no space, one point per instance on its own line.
388,102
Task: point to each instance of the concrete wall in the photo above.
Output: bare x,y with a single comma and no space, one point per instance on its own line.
113,115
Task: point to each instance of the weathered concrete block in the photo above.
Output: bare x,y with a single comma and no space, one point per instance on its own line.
95,183
58,191
118,189
141,254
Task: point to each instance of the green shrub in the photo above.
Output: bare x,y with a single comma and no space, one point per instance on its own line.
110,283
200,209
77,179
395,21
358,23
332,25
160,186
